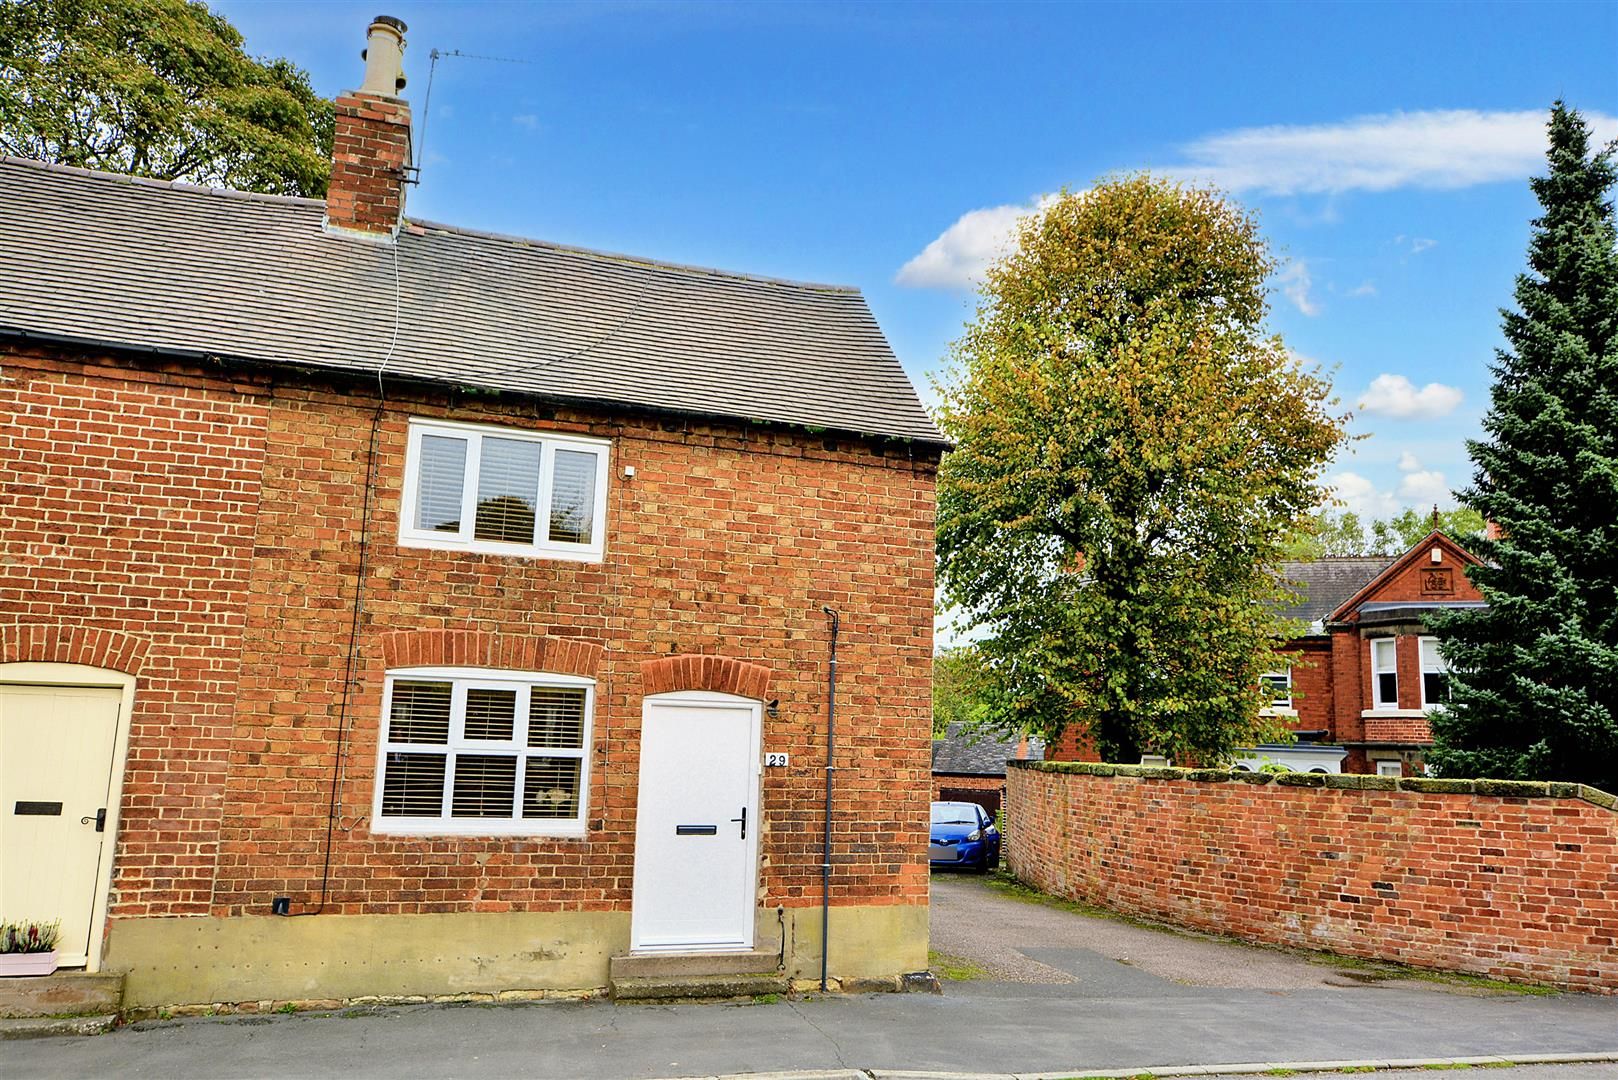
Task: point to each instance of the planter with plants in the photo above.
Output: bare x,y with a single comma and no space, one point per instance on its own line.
28,948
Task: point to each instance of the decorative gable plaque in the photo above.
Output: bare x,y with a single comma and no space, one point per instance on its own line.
1438,581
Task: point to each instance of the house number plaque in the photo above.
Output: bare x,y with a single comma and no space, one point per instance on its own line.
775,761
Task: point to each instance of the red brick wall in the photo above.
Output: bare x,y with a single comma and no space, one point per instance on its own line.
1398,729
986,791
1311,684
128,503
1515,887
218,522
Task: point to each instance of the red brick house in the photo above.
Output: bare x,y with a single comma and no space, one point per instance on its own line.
1367,672
393,609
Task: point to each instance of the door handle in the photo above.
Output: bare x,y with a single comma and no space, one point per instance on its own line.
100,819
743,820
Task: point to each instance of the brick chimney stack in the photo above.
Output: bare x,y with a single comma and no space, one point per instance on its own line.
371,144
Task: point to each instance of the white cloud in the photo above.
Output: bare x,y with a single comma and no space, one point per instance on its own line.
1424,486
526,120
1361,497
1293,278
1397,397
1440,149
962,252
1408,462
1364,288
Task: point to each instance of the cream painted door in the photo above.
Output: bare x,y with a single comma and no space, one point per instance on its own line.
696,828
56,757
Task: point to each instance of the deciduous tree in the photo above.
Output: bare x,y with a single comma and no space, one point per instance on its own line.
1331,533
959,693
1534,689
158,88
1133,451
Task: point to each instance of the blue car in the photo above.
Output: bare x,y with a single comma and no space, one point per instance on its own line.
963,834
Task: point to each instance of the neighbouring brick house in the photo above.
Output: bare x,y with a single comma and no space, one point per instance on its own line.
1366,670
444,591
970,765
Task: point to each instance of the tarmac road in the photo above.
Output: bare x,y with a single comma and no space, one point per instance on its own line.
1065,994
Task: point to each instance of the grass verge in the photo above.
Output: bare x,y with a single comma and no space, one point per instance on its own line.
954,968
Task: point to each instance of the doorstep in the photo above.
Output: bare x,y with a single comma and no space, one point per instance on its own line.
66,994
684,976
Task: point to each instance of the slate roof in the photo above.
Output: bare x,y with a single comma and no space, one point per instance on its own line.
957,753
101,259
1326,583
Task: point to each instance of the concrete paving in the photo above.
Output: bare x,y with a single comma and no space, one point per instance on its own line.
1128,1000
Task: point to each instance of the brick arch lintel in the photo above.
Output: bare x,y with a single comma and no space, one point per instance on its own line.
720,674
481,648
60,643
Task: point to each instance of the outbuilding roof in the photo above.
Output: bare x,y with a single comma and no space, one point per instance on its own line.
108,260
976,752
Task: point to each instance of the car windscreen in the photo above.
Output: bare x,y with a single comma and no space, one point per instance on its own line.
947,814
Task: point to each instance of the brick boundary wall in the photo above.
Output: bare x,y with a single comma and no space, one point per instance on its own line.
1492,877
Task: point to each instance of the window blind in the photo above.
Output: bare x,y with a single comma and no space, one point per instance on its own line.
508,491
441,476
573,497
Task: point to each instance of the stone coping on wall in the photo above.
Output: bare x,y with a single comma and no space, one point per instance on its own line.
1514,789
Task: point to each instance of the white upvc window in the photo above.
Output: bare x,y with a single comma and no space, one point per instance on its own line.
1279,684
1390,768
472,751
1434,675
504,491
1385,673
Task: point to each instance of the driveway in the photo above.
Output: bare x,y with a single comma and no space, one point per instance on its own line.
1057,993
1011,940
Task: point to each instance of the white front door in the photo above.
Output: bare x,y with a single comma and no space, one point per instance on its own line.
696,830
56,760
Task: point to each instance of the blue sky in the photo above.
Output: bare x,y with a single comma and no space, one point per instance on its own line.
889,146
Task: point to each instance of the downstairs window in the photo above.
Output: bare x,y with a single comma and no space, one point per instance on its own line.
468,751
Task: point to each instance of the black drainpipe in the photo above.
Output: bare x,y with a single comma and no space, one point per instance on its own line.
831,749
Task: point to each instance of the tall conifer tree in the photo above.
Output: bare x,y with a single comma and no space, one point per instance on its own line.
1535,690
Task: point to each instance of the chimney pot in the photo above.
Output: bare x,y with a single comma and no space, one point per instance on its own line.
384,57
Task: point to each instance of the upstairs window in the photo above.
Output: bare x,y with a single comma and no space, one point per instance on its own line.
468,751
1279,685
504,491
1385,673
1434,675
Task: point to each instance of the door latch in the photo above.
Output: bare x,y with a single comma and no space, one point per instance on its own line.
100,819
743,820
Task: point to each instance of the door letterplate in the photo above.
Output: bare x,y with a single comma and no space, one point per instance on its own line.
696,830
37,809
